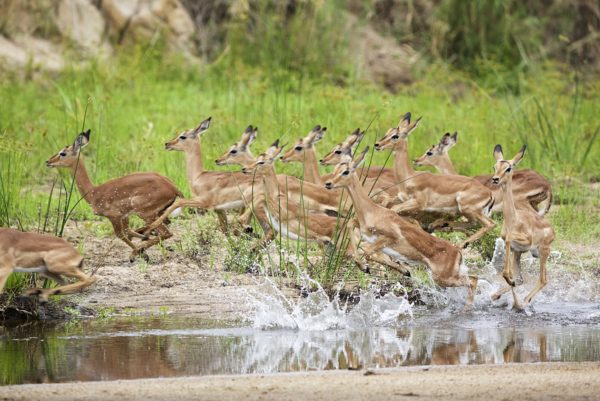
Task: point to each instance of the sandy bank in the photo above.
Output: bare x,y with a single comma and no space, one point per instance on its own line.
548,381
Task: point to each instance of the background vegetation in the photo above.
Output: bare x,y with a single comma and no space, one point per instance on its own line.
508,72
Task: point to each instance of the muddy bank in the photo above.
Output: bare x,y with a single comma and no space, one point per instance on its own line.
197,274
544,381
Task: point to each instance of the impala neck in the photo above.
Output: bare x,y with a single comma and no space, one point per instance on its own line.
271,186
82,180
193,162
311,168
402,167
508,203
360,199
444,165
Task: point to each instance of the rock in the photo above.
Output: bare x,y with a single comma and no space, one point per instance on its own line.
132,21
81,23
382,60
22,51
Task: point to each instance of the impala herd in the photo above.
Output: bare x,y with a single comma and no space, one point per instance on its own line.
369,213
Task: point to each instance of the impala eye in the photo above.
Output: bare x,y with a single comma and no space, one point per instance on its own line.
508,170
338,152
395,136
233,151
429,153
298,148
62,154
183,137
346,172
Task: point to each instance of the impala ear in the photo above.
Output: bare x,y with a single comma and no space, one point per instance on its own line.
498,155
355,137
448,141
315,135
248,136
82,140
405,126
405,120
519,155
203,126
358,161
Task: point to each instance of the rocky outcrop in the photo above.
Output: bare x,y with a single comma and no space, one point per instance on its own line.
134,21
37,32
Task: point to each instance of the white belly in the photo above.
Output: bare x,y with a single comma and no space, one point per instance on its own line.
281,228
230,205
39,269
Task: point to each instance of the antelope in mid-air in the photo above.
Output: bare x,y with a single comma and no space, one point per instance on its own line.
522,230
146,195
427,192
529,187
386,232
52,257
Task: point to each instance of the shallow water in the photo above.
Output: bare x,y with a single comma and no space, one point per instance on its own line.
126,348
315,333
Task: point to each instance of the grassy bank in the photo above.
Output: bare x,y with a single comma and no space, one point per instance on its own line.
134,105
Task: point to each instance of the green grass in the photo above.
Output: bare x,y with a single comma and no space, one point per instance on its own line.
137,103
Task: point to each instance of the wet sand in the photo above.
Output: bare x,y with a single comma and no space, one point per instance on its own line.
544,381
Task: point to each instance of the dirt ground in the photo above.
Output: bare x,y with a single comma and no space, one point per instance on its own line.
546,381
171,282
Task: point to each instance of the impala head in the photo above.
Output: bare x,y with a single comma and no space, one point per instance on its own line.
435,152
188,138
296,152
396,134
503,169
67,157
342,175
239,153
341,151
264,160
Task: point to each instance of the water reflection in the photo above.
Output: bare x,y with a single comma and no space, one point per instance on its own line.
117,350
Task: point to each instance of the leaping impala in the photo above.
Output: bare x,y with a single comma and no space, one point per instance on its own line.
386,232
49,256
522,230
291,219
146,195
424,191
211,190
226,190
529,187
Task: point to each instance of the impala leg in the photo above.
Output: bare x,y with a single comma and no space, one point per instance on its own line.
487,224
517,304
472,290
6,268
120,232
163,235
72,270
197,203
506,272
222,216
544,253
407,206
496,296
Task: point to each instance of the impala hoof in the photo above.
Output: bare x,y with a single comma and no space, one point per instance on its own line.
509,279
248,230
465,244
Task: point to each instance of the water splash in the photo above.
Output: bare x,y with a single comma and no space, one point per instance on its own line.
316,312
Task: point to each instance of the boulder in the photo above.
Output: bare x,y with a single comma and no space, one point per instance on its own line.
132,21
23,51
82,24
